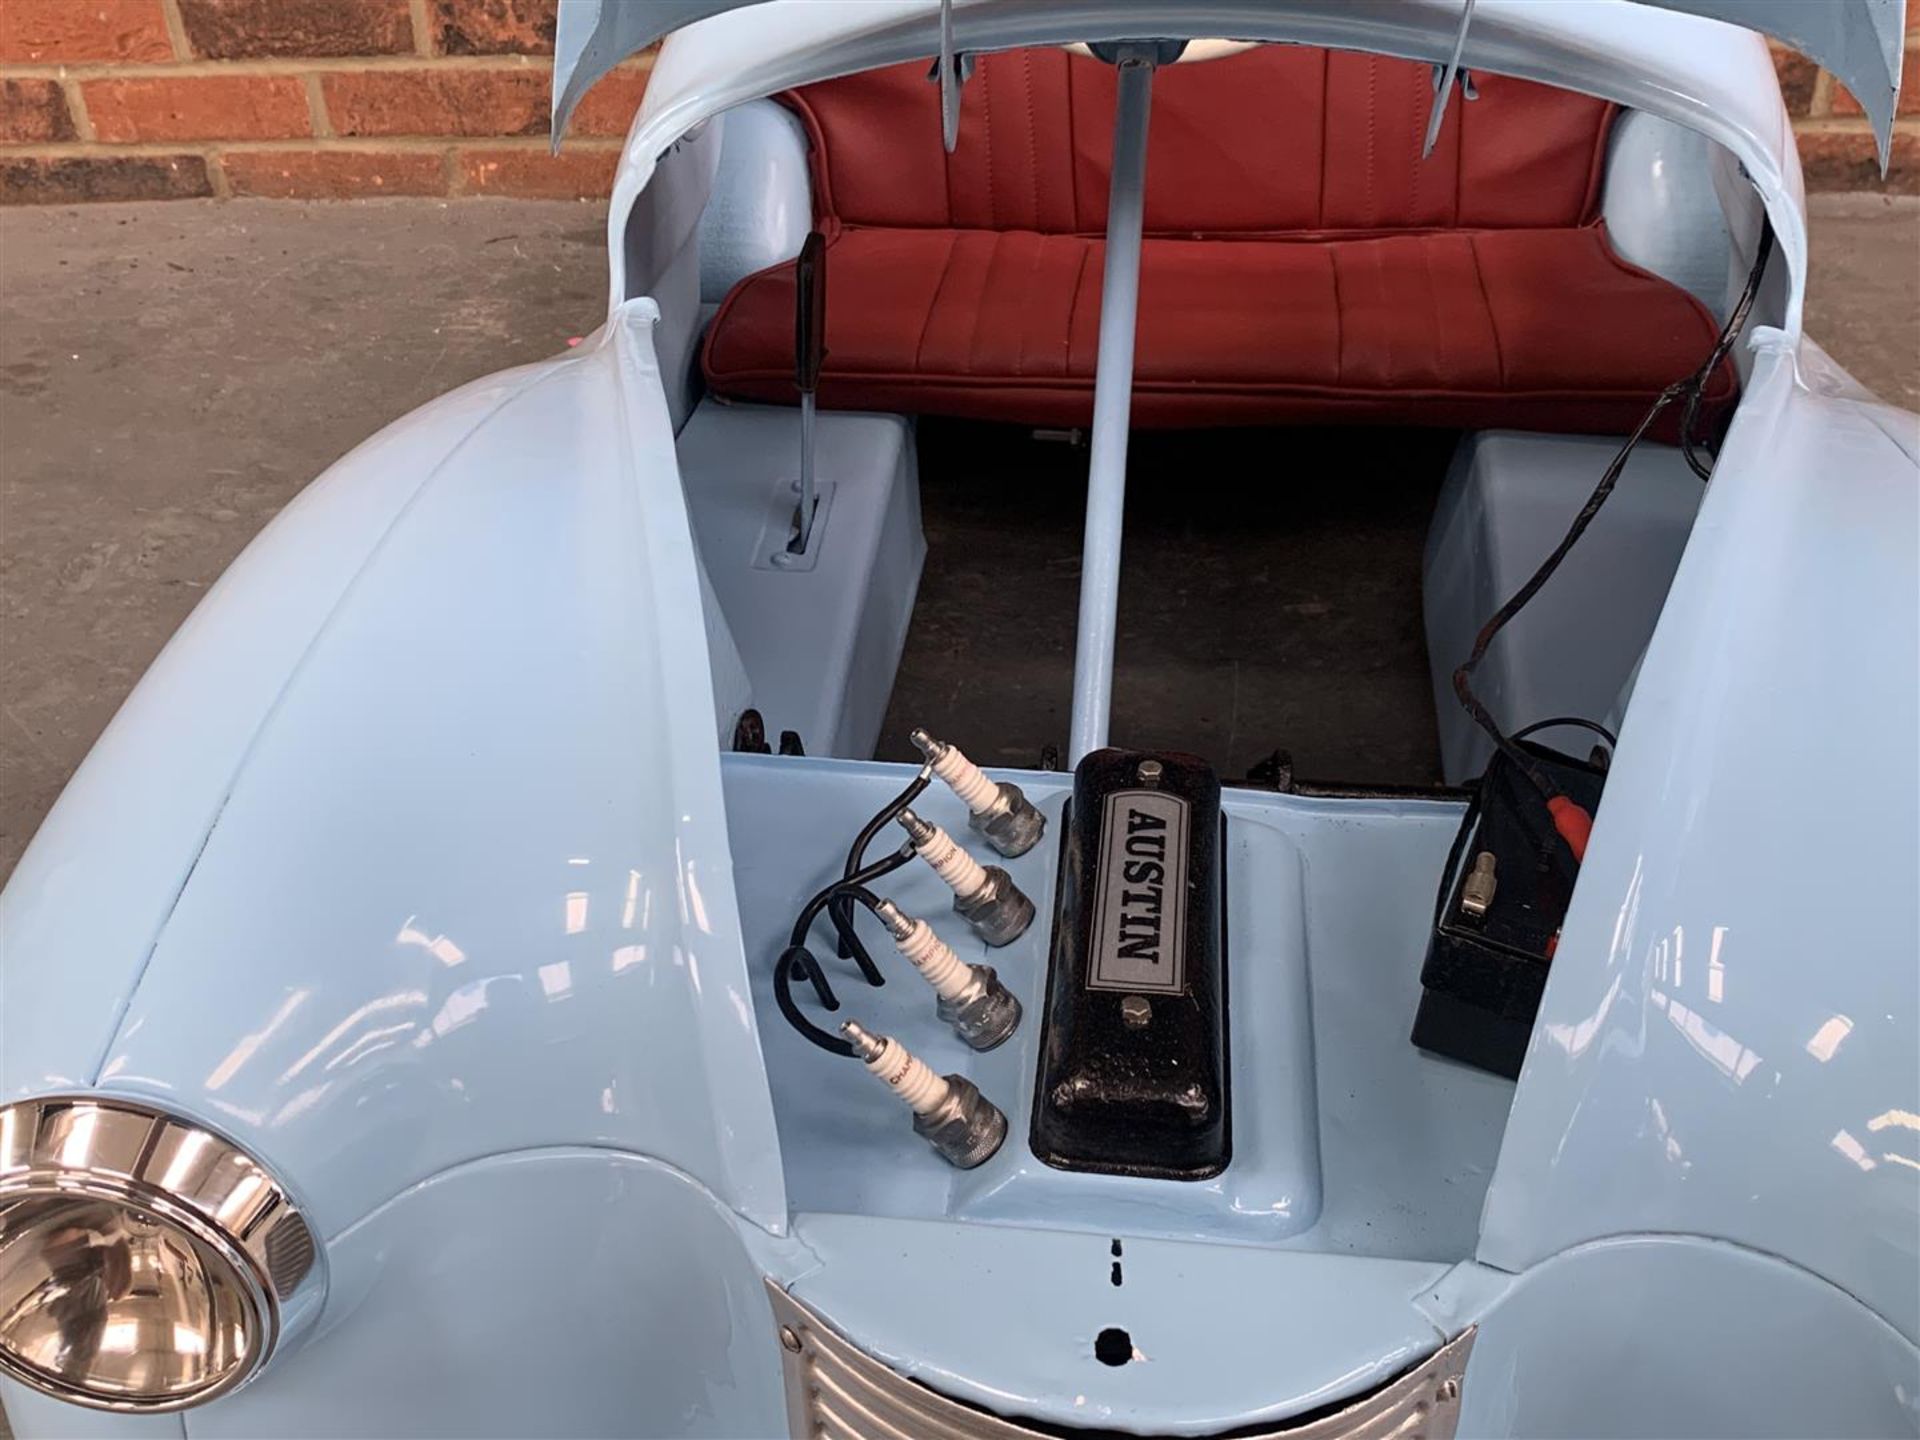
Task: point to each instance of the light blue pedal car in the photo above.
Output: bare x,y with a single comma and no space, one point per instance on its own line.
431,1010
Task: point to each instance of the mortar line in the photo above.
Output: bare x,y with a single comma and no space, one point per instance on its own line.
356,144
1820,103
77,108
176,29
321,122
280,65
422,28
122,70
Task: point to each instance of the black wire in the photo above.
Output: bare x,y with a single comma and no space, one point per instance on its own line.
1462,677
1595,726
864,876
1692,386
783,997
838,900
856,890
797,958
842,910
1728,334
856,855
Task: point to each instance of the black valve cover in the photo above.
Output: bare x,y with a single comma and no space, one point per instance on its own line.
1133,1053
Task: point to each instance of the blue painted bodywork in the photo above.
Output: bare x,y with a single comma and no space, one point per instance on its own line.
93,891
1860,41
567,1291
1652,1336
1727,1045
504,910
414,866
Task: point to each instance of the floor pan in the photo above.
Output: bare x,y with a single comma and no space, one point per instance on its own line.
1270,597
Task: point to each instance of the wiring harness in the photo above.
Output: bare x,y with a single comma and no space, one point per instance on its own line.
839,899
1571,821
971,999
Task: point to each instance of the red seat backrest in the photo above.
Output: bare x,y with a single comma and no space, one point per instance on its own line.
1335,148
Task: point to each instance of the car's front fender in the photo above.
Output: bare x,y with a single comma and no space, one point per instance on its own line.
1726,1045
90,895
411,848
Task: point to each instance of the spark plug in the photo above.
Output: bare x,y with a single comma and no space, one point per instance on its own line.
996,808
949,1112
970,998
984,895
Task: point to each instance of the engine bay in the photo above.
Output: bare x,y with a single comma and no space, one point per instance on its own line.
1158,1005
1345,1139
1131,999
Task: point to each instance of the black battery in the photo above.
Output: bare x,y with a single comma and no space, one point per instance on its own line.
1133,1055
1485,971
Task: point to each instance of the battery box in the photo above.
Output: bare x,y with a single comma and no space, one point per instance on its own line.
1485,971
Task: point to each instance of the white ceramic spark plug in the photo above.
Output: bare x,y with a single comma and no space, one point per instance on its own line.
964,1127
984,895
996,808
970,998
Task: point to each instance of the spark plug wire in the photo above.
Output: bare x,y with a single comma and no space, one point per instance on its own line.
796,961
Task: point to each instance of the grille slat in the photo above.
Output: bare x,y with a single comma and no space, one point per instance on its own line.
837,1391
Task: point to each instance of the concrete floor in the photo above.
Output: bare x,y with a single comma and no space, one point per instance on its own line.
1863,293
170,375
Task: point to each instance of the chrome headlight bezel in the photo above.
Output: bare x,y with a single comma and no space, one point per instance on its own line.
205,1192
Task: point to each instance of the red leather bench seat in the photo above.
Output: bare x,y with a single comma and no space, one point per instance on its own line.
1302,263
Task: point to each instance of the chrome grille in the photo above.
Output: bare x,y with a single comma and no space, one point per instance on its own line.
836,1391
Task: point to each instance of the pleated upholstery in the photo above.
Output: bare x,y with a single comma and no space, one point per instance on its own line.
1302,261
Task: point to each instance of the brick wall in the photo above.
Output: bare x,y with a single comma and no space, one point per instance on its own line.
164,99
161,99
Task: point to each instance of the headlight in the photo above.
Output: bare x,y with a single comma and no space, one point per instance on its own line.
145,1263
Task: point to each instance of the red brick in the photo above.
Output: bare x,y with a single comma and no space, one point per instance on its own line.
293,29
1909,104
607,109
1797,76
1846,160
62,180
63,31
535,174
450,101
198,107
33,112
494,27
334,174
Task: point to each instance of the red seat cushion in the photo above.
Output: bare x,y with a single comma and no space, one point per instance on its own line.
1302,262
